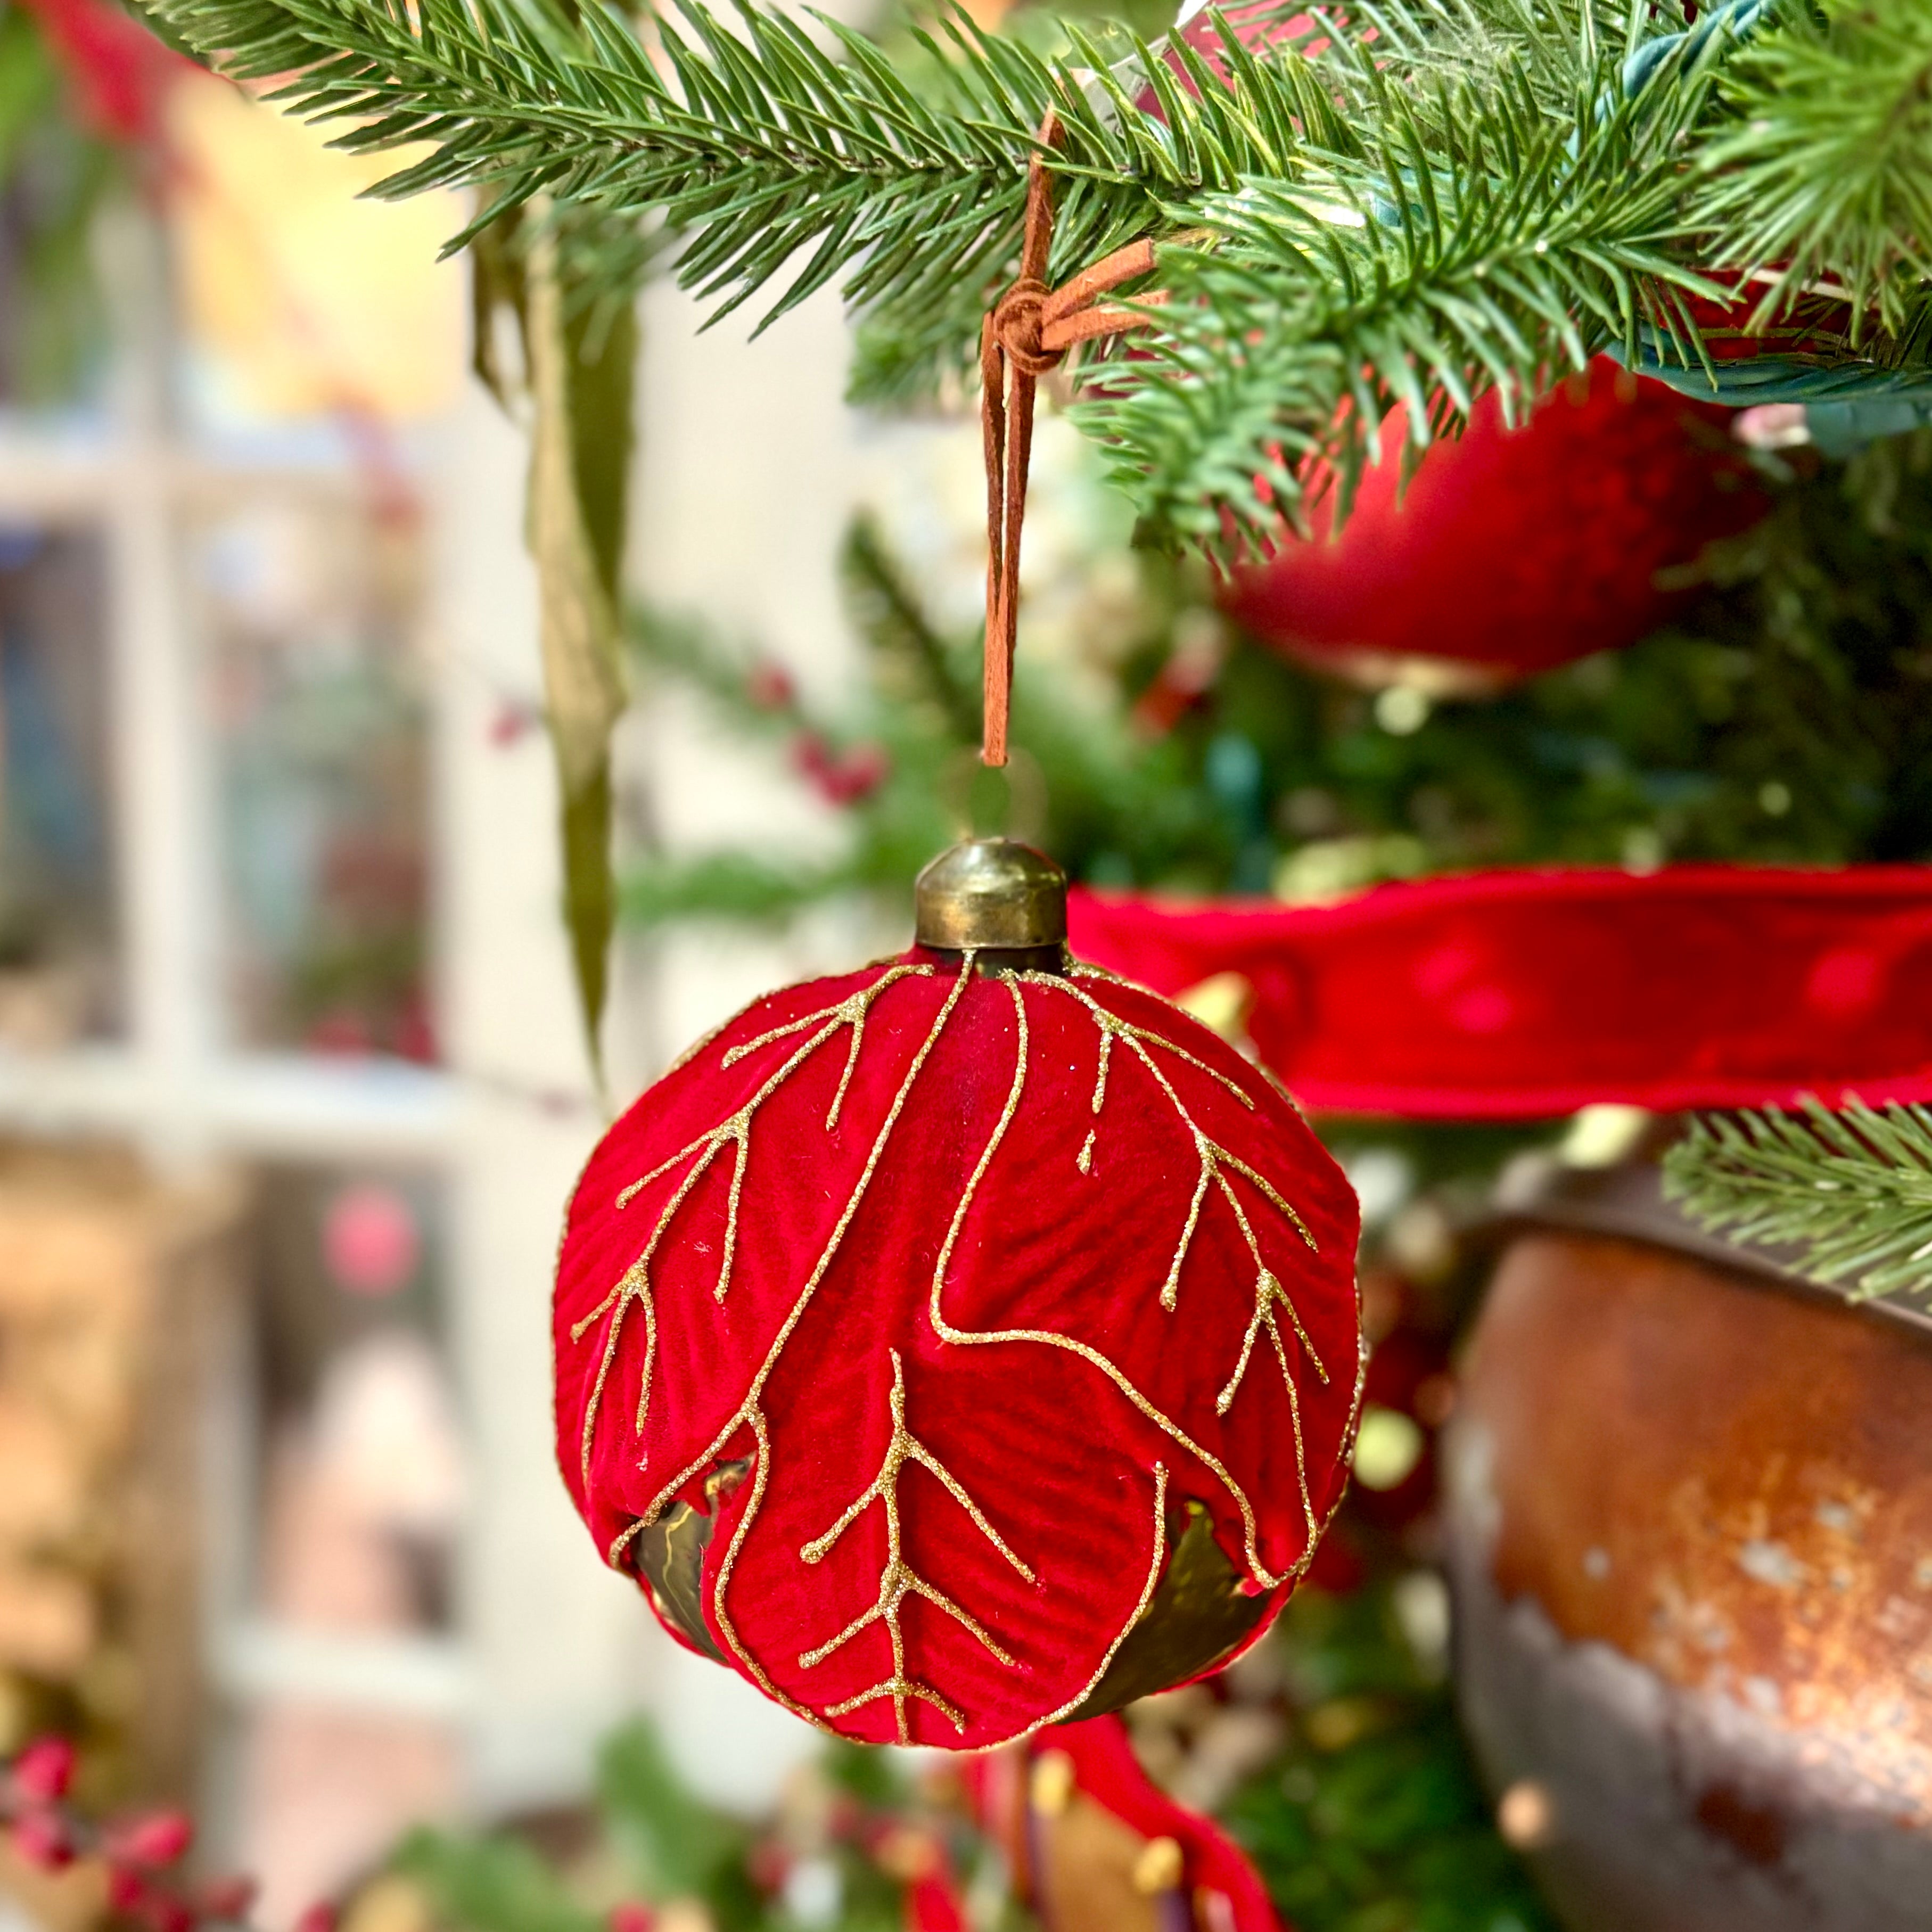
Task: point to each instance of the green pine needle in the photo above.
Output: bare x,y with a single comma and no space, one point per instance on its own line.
1851,1191
1827,176
1413,203
1475,242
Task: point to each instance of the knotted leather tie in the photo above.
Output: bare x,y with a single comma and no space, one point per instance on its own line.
1026,333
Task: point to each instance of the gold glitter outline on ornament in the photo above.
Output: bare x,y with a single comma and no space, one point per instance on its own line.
853,1011
749,1414
1267,1578
1214,1159
1087,1690
898,1579
735,1132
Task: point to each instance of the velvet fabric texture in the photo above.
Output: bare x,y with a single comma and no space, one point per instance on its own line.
1514,549
959,1289
1519,995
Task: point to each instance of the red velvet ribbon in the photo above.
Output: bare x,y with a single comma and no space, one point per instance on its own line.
1219,1888
1516,995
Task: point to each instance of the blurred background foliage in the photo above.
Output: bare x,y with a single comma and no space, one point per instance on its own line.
1783,719
54,174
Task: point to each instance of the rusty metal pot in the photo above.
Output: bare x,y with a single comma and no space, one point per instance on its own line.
1690,1513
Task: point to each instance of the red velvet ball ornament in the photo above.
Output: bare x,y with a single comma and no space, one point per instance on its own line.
963,1342
1511,551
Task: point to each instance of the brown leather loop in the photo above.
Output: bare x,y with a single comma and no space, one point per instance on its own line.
1028,331
1017,321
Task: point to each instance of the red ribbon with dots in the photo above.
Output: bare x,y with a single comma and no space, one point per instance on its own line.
1517,995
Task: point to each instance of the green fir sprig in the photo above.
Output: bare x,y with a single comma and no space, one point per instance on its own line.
1412,203
1826,176
1475,242
762,149
1849,1190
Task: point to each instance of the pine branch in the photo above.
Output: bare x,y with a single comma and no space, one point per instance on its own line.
758,144
1827,174
1476,242
1852,1191
1426,199
759,148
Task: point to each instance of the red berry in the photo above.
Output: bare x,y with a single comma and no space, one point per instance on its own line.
127,1889
43,1770
630,1916
159,1912
770,688
840,778
41,1840
320,1917
153,1838
766,1863
857,774
229,1899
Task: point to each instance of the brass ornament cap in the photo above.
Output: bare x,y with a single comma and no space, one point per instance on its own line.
991,894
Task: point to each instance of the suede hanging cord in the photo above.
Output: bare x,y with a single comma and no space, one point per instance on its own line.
1028,331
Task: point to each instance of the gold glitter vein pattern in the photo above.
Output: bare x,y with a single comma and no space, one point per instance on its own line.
1216,1165
898,1580
1217,1170
734,1132
1111,1026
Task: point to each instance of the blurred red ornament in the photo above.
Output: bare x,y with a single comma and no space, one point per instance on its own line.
629,1916
119,72
1096,1846
933,1904
370,1240
1512,551
920,1324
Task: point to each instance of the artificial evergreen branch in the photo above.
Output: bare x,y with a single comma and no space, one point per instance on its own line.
1476,242
758,145
1851,1191
1422,200
1827,174
752,148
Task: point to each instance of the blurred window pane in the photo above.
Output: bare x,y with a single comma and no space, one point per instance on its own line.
57,977
363,1471
309,605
